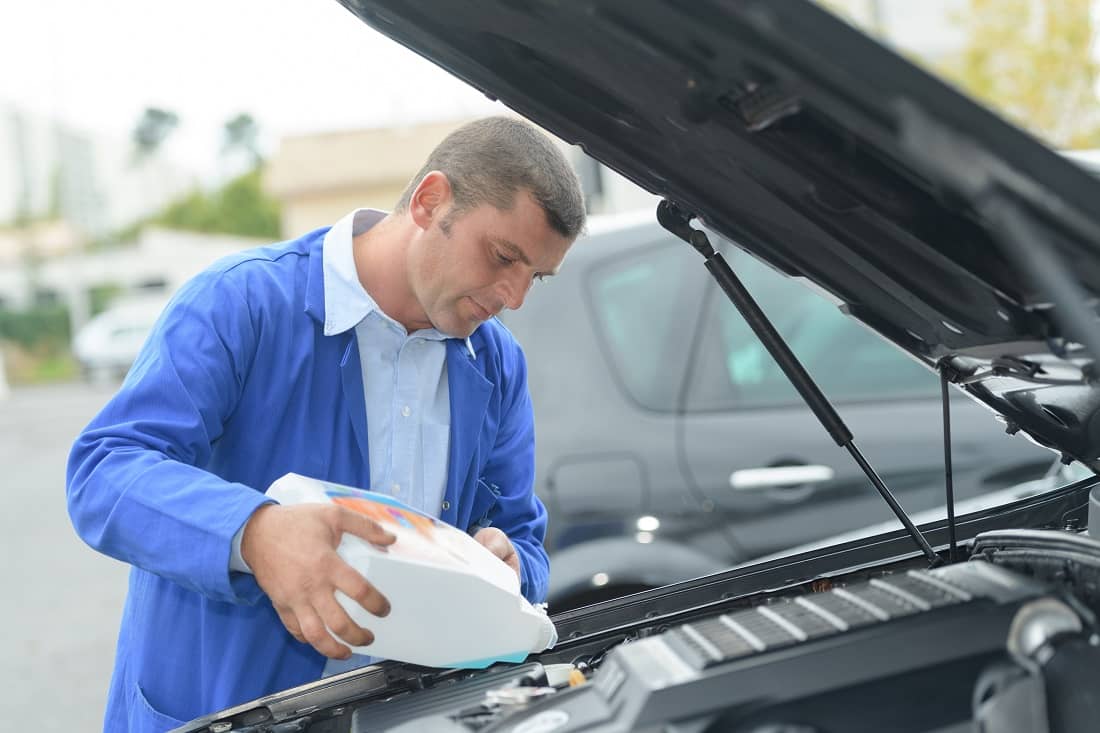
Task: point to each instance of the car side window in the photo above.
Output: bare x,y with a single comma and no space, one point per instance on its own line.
645,305
847,361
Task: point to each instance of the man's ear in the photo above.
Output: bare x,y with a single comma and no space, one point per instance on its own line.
430,200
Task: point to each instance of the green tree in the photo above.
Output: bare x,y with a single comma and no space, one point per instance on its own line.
241,135
239,207
1032,60
1029,59
152,129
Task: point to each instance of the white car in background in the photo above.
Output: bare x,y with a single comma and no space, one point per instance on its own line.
109,342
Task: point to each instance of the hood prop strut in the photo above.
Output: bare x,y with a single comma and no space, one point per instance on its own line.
949,478
678,221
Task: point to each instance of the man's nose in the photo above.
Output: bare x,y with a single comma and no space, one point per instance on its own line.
513,291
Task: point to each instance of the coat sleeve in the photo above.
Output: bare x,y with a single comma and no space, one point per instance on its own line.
136,490
510,474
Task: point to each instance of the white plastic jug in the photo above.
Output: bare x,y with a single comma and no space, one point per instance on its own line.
452,602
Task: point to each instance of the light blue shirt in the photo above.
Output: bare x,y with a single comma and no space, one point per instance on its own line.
404,378
404,382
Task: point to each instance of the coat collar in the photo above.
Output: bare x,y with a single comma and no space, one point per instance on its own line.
315,279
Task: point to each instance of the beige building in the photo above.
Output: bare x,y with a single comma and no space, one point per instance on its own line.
319,178
19,248
40,240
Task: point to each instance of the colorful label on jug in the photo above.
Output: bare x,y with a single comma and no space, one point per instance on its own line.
383,510
420,536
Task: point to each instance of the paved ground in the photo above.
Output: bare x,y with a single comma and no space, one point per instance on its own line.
61,600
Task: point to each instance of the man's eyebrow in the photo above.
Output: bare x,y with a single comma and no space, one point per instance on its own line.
513,249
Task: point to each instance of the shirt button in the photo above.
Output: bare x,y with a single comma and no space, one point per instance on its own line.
405,411
397,488
446,505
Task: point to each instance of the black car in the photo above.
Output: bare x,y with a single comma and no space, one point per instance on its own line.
670,445
941,228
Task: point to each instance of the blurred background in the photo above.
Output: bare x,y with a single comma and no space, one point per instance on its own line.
140,141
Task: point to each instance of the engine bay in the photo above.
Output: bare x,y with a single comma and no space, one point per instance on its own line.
1005,639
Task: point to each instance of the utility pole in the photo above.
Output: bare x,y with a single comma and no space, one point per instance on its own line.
5,390
24,208
81,206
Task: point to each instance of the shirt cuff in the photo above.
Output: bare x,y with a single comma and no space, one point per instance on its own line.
236,559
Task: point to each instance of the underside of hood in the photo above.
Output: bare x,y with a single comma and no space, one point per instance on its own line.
824,154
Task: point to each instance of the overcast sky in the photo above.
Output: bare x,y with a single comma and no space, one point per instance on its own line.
295,65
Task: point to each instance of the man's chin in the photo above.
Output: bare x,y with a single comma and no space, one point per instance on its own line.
458,328
462,334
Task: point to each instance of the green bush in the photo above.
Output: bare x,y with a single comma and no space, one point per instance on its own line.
239,207
42,329
100,296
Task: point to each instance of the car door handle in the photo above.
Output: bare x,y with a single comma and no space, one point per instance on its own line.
771,477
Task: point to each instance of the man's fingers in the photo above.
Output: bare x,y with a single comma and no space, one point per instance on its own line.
294,561
290,621
328,617
364,527
313,628
340,623
498,543
349,582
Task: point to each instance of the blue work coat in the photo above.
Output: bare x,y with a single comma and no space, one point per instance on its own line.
237,386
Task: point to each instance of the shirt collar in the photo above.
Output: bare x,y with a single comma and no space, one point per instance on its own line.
346,300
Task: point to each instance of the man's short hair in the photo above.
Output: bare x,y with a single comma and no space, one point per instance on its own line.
488,161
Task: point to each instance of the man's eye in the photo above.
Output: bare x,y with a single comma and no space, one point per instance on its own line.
504,260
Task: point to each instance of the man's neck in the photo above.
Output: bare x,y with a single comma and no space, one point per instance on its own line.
381,263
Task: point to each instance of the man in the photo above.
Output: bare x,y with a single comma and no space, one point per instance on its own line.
365,354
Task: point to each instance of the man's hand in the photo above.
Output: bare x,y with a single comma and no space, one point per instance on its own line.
292,553
499,544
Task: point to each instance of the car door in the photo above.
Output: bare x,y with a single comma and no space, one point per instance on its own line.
767,465
606,350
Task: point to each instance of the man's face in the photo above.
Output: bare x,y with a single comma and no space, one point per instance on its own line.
485,263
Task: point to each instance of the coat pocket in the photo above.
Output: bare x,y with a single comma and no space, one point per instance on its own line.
486,506
144,718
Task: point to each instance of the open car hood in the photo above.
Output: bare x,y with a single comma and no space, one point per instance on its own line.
822,153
